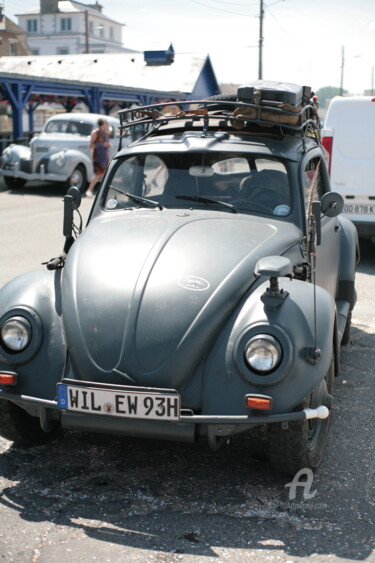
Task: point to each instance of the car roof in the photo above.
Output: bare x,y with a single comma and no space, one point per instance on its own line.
288,147
87,117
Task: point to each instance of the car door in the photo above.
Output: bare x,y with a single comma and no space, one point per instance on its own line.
316,184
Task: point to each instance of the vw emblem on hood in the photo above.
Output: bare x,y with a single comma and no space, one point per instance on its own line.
194,283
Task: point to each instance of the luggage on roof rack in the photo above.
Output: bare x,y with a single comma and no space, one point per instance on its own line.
267,92
276,102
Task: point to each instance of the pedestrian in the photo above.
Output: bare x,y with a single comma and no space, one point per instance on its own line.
99,144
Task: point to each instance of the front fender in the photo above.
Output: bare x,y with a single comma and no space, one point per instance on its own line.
36,296
227,379
73,158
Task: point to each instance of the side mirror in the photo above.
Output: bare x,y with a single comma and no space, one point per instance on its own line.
332,204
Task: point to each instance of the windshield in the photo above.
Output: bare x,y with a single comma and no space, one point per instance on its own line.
74,127
246,182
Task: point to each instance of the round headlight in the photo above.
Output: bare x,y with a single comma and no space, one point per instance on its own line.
263,353
16,334
60,159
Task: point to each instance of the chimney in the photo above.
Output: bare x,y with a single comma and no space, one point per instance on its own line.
49,6
96,6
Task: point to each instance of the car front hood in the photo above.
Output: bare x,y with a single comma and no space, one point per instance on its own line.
145,296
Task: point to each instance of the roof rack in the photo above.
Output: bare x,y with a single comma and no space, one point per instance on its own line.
219,115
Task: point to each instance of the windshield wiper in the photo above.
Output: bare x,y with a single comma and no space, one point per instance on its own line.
147,202
207,200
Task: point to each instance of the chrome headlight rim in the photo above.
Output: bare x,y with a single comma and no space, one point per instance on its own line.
36,336
282,369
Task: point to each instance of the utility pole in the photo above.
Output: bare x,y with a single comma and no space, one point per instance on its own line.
261,18
342,70
87,47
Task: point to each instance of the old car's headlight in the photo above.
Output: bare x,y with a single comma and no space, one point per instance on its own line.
6,157
263,353
16,334
60,159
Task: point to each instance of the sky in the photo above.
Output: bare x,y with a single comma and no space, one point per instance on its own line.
309,42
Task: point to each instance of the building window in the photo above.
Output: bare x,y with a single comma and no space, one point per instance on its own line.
111,33
66,24
32,26
13,49
35,51
91,27
62,51
101,30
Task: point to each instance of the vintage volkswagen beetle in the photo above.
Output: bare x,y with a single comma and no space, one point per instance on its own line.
208,295
59,154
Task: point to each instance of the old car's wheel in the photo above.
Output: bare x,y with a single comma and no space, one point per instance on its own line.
346,336
14,183
78,178
301,444
21,428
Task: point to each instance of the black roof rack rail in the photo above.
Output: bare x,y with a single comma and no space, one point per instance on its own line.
214,115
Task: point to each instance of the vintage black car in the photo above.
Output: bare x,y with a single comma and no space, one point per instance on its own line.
208,295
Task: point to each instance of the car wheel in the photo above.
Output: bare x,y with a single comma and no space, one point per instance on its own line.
78,178
20,427
14,183
301,445
346,336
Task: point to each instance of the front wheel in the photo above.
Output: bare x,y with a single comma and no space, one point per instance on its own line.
78,178
21,428
301,445
14,183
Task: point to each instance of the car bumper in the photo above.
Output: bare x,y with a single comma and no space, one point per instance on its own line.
185,429
41,176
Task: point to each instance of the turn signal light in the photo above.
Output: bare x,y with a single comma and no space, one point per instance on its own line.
258,402
8,378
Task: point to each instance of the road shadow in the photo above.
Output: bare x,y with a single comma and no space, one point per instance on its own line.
186,499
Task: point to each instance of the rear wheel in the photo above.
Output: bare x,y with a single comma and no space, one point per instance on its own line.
78,178
301,444
20,427
14,183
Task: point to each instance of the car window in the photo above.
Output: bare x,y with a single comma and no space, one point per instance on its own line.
74,127
248,182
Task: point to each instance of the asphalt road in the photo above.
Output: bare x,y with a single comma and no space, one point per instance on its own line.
95,498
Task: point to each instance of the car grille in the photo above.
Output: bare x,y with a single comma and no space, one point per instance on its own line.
26,166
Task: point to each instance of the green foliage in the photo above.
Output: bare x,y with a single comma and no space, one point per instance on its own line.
326,93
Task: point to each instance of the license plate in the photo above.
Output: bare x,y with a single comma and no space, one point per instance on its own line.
119,402
360,209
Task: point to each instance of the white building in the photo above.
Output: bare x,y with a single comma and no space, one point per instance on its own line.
62,27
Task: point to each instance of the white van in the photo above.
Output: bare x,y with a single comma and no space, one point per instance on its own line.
349,137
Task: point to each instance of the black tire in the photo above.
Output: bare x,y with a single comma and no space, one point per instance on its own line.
78,179
14,183
21,428
346,336
301,444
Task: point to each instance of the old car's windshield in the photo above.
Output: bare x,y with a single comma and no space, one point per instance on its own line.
246,182
75,127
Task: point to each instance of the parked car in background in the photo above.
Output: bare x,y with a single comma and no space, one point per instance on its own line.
208,295
59,154
348,136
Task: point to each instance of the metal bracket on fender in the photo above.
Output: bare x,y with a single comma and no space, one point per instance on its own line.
274,267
